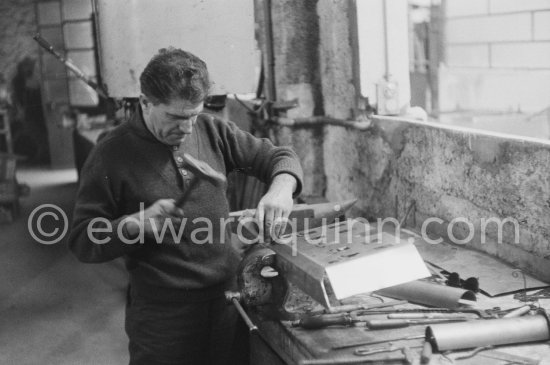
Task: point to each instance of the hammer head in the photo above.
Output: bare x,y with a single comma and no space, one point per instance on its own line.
203,170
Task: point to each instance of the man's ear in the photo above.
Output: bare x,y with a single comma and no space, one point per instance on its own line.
145,103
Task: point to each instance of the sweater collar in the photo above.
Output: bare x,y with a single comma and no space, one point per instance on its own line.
137,124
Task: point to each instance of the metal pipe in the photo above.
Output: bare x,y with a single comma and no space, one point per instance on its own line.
491,332
397,119
316,121
271,90
386,47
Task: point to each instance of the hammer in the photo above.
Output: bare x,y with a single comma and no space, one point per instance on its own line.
203,171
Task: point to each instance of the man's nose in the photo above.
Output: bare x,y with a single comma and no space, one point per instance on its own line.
186,126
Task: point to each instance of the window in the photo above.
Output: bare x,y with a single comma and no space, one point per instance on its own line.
462,61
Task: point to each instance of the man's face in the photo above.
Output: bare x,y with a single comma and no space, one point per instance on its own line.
170,123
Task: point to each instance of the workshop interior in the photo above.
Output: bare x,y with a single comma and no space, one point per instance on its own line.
422,232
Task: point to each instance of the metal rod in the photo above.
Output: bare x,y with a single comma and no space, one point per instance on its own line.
68,63
346,361
271,91
363,307
251,326
386,48
368,343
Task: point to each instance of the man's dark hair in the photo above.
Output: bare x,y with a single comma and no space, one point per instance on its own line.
173,73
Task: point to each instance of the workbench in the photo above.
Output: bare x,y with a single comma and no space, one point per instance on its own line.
279,342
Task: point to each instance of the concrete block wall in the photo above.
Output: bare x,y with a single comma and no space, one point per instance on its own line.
17,25
494,41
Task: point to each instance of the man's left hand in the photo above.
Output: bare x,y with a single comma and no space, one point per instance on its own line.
275,206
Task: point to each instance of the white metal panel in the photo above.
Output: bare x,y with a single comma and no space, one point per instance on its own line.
218,31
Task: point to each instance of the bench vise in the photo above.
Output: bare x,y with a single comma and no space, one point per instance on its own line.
268,271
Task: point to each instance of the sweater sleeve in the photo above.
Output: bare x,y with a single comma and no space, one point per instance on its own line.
259,156
98,233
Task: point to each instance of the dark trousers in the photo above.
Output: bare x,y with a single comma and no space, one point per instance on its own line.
190,333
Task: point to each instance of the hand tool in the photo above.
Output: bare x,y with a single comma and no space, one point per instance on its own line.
201,170
382,324
428,316
481,313
368,343
518,312
342,319
366,351
396,320
357,307
363,307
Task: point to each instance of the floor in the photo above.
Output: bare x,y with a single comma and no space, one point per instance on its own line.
54,309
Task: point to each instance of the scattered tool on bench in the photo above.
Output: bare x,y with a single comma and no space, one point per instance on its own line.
383,324
340,319
363,307
421,312
406,358
367,351
376,342
436,315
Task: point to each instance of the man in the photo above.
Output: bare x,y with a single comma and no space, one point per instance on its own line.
177,313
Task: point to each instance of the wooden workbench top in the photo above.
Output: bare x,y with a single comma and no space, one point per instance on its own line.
293,344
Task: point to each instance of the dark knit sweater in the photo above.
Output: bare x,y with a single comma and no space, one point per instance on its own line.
130,167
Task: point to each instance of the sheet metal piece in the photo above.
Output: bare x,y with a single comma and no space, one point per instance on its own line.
345,259
495,277
490,332
305,274
426,293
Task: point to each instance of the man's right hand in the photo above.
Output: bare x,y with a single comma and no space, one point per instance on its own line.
158,212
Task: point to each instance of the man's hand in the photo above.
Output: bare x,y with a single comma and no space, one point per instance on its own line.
158,212
275,206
